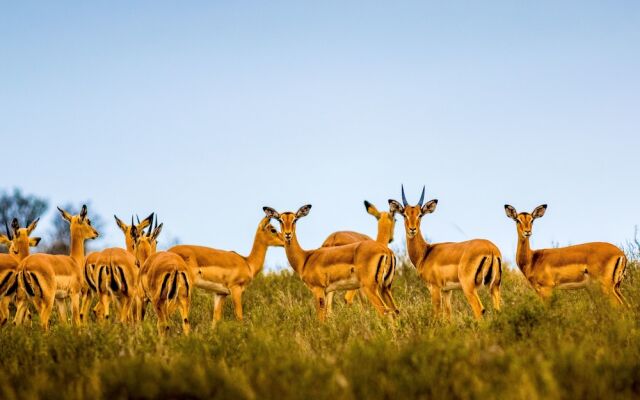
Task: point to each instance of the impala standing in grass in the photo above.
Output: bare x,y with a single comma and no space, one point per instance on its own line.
386,224
45,277
569,267
367,265
227,272
448,266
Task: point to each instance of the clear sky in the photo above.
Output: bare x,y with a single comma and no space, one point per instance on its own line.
205,112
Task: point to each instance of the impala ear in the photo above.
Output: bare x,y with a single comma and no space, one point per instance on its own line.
271,213
395,207
5,240
539,211
429,207
146,222
371,209
303,211
511,212
83,212
33,242
32,226
65,215
121,224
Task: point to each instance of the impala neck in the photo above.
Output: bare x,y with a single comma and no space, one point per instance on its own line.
524,255
255,259
417,247
295,254
384,235
77,247
128,243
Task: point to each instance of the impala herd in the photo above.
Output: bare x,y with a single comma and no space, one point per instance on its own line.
139,274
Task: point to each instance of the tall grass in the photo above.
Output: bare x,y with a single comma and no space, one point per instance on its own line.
577,347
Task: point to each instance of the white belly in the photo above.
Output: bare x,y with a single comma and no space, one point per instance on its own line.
63,284
344,284
211,286
451,286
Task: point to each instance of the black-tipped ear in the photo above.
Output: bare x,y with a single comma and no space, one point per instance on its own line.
371,209
429,207
65,215
539,211
146,222
303,211
32,226
511,212
83,212
270,212
395,207
156,231
15,225
34,241
121,224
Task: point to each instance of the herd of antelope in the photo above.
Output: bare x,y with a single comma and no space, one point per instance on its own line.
350,261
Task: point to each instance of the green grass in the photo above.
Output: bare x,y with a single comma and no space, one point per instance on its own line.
578,347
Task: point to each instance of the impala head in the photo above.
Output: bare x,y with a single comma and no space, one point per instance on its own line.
524,220
288,220
144,243
386,220
413,214
80,224
126,229
17,239
269,234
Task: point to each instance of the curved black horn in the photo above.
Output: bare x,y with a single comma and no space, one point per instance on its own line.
138,219
151,226
6,226
131,220
421,197
15,225
404,198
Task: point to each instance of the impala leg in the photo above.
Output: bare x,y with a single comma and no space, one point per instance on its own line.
349,296
185,305
75,309
161,311
125,309
374,297
236,296
619,296
436,300
330,303
22,306
321,302
44,305
218,306
4,309
471,293
446,296
103,307
495,296
62,311
388,299
85,301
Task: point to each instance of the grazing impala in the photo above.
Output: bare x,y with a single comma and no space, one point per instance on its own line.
45,277
447,266
367,265
386,225
164,279
18,244
569,267
227,272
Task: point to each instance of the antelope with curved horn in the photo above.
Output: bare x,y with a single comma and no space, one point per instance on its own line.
46,278
227,272
115,274
569,267
367,265
386,224
18,244
447,266
164,279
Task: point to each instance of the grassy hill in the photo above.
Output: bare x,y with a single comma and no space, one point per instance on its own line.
578,347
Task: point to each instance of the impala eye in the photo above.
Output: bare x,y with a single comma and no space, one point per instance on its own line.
274,231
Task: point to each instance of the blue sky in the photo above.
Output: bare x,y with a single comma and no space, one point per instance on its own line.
205,112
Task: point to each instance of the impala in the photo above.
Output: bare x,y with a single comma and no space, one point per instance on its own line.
45,277
113,272
386,224
447,266
569,267
164,279
227,272
367,265
18,244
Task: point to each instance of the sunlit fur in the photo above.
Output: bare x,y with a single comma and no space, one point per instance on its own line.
448,266
366,265
569,267
165,280
386,225
18,247
44,278
227,272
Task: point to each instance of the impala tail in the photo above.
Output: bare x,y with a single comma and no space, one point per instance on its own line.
391,271
381,270
493,275
176,282
31,283
619,270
